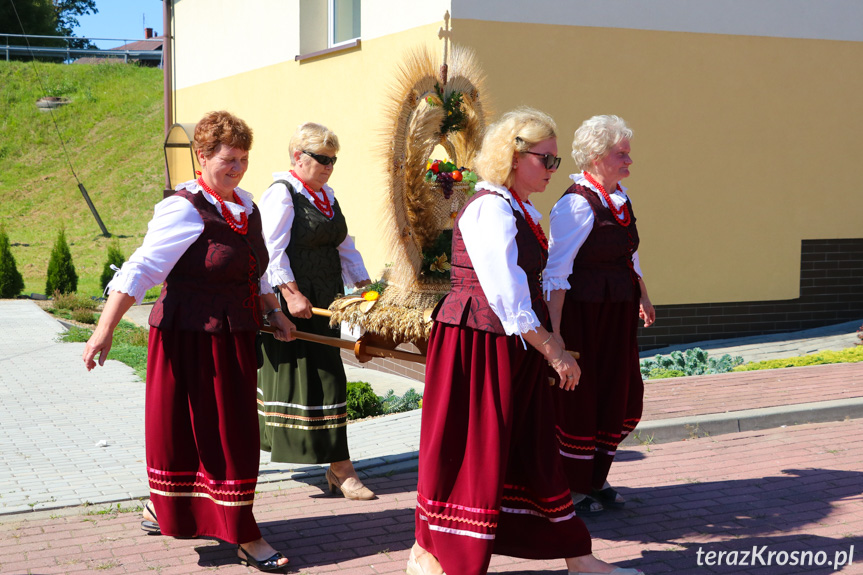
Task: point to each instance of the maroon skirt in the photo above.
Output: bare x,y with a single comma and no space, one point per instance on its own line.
607,403
202,433
490,479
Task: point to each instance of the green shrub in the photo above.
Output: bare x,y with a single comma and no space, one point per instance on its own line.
11,281
73,301
690,362
392,403
115,260
131,334
83,316
362,401
76,334
850,355
61,270
129,346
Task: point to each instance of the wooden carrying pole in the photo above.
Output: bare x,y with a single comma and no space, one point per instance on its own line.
359,347
350,345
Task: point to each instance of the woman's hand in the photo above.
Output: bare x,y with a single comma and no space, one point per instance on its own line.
285,328
568,370
646,311
298,304
99,343
645,308
362,284
550,345
103,336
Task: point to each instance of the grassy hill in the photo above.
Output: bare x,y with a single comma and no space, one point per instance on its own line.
113,133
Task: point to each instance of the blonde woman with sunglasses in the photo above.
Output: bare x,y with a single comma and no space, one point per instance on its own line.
490,479
302,412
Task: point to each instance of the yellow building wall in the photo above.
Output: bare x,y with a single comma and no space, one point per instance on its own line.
343,91
743,145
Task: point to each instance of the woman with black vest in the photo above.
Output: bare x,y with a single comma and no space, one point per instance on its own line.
596,293
205,244
302,388
490,479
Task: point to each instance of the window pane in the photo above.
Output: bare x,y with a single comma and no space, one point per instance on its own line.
346,20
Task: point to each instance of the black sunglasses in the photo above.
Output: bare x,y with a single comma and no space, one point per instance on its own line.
321,159
552,162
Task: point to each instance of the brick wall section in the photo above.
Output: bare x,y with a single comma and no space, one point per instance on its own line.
831,291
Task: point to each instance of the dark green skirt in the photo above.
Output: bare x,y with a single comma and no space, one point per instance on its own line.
302,390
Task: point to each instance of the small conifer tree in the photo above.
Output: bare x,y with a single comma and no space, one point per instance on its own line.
11,282
61,271
116,259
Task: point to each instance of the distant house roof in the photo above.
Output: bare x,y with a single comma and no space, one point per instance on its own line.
151,44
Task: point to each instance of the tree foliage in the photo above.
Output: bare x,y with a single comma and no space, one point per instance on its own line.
115,259
69,10
61,271
11,282
44,18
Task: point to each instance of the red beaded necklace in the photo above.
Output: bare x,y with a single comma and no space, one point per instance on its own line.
323,204
534,227
240,226
623,221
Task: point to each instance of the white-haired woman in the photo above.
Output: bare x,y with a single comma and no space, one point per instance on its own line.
595,293
489,472
302,412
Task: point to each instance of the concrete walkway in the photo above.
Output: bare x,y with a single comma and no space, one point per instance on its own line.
752,472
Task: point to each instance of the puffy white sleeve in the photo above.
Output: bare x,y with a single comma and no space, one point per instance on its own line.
353,268
636,264
175,226
277,217
570,224
489,229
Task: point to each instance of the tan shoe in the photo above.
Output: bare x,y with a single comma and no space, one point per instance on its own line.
414,567
362,493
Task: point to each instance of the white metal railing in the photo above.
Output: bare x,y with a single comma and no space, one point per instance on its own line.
68,52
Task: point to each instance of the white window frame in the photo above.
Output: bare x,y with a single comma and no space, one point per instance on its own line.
331,26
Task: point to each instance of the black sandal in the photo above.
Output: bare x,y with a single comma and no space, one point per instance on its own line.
586,507
608,498
269,564
151,527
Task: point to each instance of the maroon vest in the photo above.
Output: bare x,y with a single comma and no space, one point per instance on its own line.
214,285
602,270
466,304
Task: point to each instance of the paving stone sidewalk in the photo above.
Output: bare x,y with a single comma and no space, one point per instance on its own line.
795,490
789,486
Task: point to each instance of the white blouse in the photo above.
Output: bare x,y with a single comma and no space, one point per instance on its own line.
175,226
277,217
488,227
571,223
